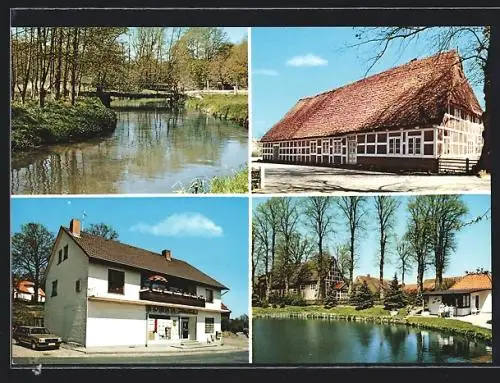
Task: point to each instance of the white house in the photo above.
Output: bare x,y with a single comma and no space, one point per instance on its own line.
106,293
25,290
471,294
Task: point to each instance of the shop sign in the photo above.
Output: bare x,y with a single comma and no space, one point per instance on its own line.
169,310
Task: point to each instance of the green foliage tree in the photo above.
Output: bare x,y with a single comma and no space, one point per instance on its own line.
31,249
364,297
330,299
394,298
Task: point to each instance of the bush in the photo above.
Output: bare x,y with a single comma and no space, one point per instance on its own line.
330,300
59,122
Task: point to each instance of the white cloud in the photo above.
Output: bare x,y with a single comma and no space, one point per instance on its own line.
181,225
265,72
307,60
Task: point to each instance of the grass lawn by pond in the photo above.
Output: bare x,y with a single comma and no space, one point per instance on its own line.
377,313
234,183
59,122
229,107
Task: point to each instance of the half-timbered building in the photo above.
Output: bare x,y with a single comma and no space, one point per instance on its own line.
419,116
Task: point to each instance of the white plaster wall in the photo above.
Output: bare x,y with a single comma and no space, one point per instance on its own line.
484,301
216,305
115,324
65,314
433,305
308,293
200,325
98,282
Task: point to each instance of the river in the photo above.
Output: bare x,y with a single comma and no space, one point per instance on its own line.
324,341
154,151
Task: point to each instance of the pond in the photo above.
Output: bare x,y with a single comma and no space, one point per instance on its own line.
150,151
295,341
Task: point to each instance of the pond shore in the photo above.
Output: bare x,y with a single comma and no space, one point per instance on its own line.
376,314
228,107
59,122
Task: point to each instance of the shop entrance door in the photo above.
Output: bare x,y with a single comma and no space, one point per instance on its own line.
184,328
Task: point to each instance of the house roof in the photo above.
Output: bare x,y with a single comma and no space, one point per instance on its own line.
473,281
24,287
100,249
451,292
373,283
413,94
224,307
430,283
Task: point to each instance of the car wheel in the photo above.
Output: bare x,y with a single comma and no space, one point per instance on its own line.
33,345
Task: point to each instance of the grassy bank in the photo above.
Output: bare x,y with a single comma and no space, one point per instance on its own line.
57,122
377,314
234,183
229,107
141,103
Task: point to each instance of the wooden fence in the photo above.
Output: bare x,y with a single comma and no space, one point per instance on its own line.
455,165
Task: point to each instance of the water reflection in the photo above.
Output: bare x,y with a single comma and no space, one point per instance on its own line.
149,152
323,341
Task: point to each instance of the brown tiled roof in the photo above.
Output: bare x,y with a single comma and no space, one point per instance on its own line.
473,281
372,282
430,283
98,248
224,307
416,93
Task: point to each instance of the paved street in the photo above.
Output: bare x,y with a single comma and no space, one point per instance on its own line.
25,356
279,178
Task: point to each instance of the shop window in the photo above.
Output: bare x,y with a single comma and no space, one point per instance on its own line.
116,281
209,325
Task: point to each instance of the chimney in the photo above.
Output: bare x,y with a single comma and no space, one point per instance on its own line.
74,227
167,254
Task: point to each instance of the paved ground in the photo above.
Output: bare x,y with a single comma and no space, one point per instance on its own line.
478,320
233,350
279,178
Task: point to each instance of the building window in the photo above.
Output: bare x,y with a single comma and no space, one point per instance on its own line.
78,286
313,147
337,147
209,295
65,252
414,145
209,325
59,260
326,146
394,145
116,281
54,289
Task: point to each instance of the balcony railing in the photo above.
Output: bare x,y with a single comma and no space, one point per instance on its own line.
166,296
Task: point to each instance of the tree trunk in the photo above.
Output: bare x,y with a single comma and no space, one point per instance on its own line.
484,162
403,275
66,64
59,64
381,268
351,264
74,65
321,277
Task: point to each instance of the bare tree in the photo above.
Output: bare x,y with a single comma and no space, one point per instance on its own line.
288,219
318,215
404,257
103,230
386,209
353,210
476,44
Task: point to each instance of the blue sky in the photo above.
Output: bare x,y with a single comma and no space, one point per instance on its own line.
209,233
236,34
473,245
290,63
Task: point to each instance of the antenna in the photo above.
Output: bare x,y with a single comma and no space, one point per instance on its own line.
84,214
